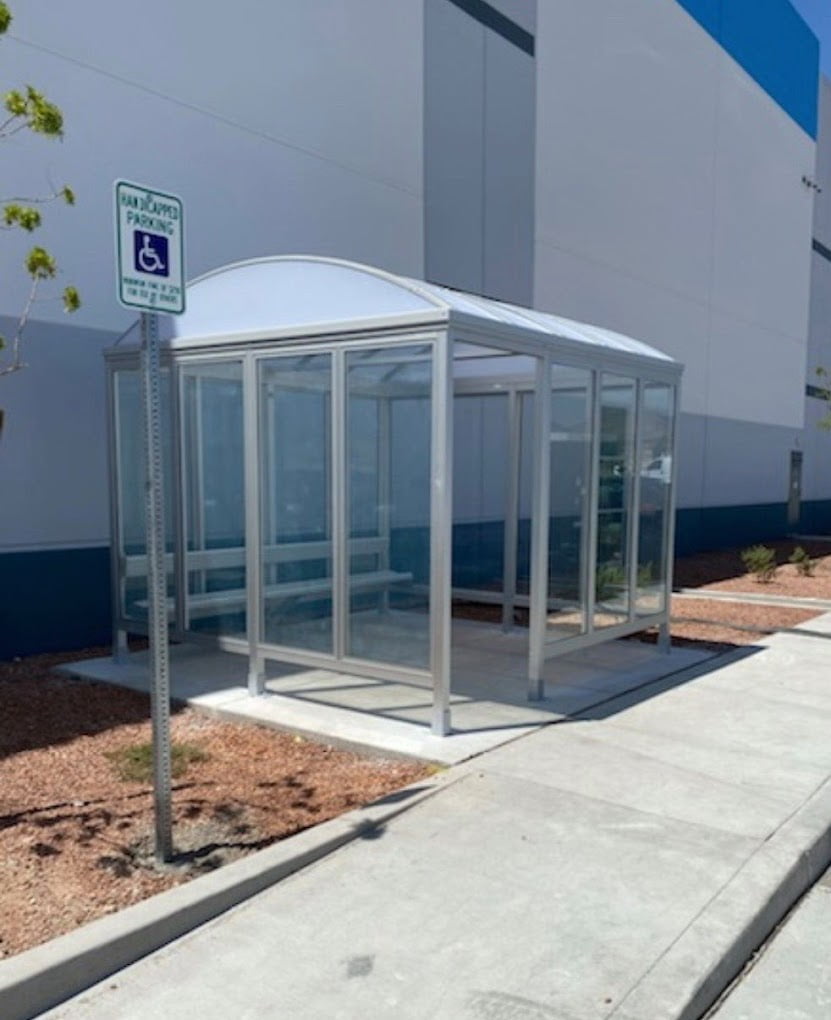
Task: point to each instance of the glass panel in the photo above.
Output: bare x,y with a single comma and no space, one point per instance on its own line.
131,479
214,492
526,493
570,467
617,420
388,504
295,426
654,480
486,480
480,486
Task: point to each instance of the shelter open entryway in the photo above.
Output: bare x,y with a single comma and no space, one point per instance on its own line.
355,458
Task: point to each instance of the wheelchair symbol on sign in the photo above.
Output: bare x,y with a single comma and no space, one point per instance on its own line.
150,253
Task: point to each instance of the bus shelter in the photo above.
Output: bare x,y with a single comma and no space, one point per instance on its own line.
357,463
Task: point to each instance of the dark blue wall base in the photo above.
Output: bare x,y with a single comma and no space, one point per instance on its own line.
59,600
54,600
725,527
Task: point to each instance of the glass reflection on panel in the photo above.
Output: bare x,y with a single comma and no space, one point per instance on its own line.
295,427
388,483
617,422
214,495
131,494
480,482
570,466
654,481
526,493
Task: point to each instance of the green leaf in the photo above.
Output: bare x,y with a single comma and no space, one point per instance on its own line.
44,117
40,265
23,216
5,18
15,103
71,299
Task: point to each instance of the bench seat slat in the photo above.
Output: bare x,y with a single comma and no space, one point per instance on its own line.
210,602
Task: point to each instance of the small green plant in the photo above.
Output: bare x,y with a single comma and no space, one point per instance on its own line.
802,561
646,573
609,581
134,762
761,561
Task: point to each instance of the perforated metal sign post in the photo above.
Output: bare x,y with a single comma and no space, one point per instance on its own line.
150,261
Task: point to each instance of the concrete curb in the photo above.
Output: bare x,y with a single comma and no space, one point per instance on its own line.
47,975
750,598
689,978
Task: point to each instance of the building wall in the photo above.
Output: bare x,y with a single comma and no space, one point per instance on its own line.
634,165
676,212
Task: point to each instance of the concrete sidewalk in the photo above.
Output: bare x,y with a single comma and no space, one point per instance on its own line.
621,864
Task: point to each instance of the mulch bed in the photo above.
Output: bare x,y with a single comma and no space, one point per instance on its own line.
724,571
76,842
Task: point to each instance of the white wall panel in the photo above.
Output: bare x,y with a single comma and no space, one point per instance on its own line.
670,202
763,211
244,194
581,288
626,124
340,79
755,374
53,469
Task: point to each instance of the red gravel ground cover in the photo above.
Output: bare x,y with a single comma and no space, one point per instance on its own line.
76,841
724,571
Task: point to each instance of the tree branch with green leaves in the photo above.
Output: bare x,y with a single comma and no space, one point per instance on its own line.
27,109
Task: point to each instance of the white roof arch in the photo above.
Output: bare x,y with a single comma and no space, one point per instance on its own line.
305,295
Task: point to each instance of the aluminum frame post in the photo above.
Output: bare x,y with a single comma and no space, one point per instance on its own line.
156,586
338,440
441,534
634,523
511,536
664,629
539,530
253,538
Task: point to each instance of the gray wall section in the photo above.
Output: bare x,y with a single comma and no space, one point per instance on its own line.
822,200
454,197
53,465
510,126
725,462
479,129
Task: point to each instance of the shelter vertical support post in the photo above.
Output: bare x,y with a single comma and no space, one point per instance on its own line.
253,542
595,436
180,568
633,526
539,530
511,537
157,585
340,525
384,490
441,533
664,633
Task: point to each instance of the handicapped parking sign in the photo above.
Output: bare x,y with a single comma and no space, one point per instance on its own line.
149,249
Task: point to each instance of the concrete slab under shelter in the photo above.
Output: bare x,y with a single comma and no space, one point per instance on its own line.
488,691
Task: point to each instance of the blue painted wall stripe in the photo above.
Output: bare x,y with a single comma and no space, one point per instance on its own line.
769,39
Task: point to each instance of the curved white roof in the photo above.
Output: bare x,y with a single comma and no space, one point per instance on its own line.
303,294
